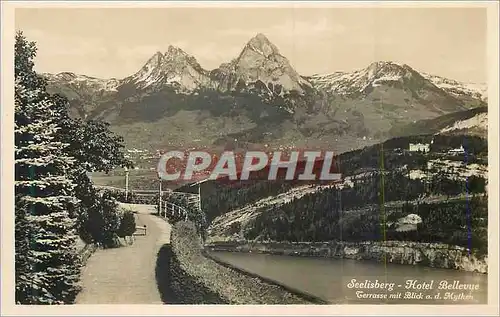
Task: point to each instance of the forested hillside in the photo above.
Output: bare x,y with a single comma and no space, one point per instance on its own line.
387,192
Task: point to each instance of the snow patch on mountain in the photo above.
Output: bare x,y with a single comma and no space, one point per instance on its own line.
478,121
379,81
83,80
376,74
456,88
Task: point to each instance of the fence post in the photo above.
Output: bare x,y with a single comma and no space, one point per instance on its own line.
199,196
159,198
126,184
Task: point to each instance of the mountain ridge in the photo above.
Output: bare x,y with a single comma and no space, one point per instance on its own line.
341,82
259,98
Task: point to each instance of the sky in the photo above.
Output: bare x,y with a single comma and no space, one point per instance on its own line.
116,42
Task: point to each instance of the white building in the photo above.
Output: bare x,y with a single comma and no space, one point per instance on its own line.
420,147
408,223
460,150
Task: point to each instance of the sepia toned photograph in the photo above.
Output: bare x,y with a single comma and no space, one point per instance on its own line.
246,155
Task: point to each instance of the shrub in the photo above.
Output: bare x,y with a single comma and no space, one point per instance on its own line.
103,220
127,224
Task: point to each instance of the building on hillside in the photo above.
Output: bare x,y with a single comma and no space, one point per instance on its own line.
420,147
457,151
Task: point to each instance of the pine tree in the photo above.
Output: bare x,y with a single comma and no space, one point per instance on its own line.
47,265
94,148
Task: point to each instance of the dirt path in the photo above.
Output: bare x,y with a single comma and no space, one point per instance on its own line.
127,275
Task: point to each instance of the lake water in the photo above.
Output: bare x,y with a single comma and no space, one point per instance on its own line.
343,281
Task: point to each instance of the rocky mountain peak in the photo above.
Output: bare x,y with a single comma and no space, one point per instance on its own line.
175,57
382,68
261,45
387,64
154,61
173,51
260,60
174,67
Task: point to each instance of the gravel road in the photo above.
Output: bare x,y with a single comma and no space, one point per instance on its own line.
126,275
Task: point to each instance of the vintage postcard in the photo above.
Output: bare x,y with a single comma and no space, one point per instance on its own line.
214,158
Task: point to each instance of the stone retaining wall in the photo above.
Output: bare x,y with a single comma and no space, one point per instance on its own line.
196,279
412,253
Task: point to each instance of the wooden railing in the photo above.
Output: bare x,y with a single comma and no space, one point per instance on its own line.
175,209
168,208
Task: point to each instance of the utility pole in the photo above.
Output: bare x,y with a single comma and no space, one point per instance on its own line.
199,196
202,215
159,199
126,184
